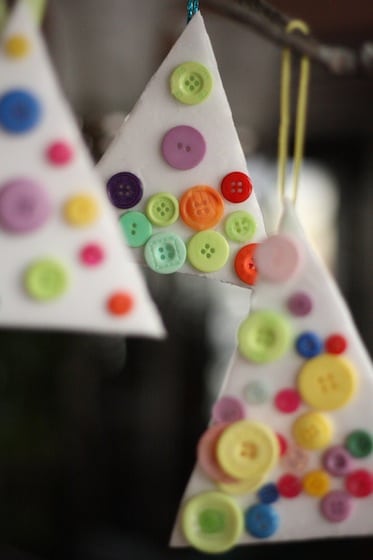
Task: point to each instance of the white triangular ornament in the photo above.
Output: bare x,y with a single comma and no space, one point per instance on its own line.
294,421
64,263
177,174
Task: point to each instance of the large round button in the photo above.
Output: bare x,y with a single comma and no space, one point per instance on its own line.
208,251
316,483
336,506
124,190
20,111
81,210
24,206
206,454
236,187
162,209
327,382
359,443
212,522
264,336
201,207
261,521
191,83
136,228
299,304
183,147
45,280
165,252
308,344
228,409
240,226
337,461
244,264
312,430
278,258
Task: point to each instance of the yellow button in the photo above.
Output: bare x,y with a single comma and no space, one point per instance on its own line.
327,382
247,449
312,430
316,483
17,46
243,486
81,210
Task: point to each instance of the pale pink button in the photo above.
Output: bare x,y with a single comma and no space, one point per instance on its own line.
278,258
206,454
228,409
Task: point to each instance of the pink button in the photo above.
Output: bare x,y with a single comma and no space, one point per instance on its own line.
228,409
336,506
183,147
206,454
92,254
24,206
278,258
296,459
359,483
299,304
287,400
59,152
289,486
337,461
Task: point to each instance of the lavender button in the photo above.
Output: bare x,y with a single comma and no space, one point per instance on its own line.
228,409
336,506
337,461
24,206
300,304
124,189
183,147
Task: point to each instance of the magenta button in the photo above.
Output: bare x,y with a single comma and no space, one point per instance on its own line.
24,206
59,153
228,409
299,304
337,461
336,506
183,147
287,400
92,254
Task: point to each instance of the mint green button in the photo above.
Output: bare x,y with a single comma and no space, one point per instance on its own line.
45,280
256,392
136,228
191,83
162,209
165,252
240,226
208,251
264,336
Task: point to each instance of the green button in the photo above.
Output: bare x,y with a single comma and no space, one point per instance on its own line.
165,253
45,280
212,522
264,336
359,443
208,251
136,228
191,83
162,209
240,226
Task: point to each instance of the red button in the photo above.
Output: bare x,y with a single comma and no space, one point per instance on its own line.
236,187
282,443
359,483
287,400
289,486
335,344
244,264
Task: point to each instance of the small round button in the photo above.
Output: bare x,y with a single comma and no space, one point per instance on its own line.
59,153
165,252
20,111
24,206
236,187
183,147
299,304
336,344
81,210
264,336
240,226
359,443
308,344
242,487
120,303
191,83
327,382
208,251
289,486
244,264
228,409
337,461
17,46
206,454
136,228
278,258
359,483
201,207
282,444
92,254
296,459
212,522
256,392
316,483
287,400
261,521
312,430
45,280
124,190
162,209
336,506
268,494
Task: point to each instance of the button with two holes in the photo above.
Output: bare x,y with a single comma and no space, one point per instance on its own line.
183,147
136,228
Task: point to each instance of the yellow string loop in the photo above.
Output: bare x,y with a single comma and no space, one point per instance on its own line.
301,113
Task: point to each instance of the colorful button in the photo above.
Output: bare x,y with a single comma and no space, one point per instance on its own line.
244,264
247,449
296,459
236,187
120,303
327,382
20,111
162,209
308,344
337,461
316,483
201,207
208,251
289,486
81,210
268,494
228,409
124,190
165,252
335,344
241,487
278,258
359,483
336,506
287,400
261,521
92,254
206,454
282,443
312,430
191,83
24,206
300,304
256,392
240,226
45,280
212,522
359,443
59,153
136,228
264,336
17,46
183,147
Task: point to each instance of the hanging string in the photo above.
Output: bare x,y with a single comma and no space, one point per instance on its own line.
301,114
192,9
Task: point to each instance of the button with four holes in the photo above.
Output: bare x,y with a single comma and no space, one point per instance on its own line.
183,147
240,226
45,280
191,83
279,258
337,461
336,506
244,264
201,207
162,209
308,344
359,443
208,251
20,111
312,430
165,252
299,304
261,521
24,206
236,187
136,228
124,190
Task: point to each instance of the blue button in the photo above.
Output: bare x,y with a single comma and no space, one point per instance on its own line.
261,521
309,344
20,111
268,494
165,252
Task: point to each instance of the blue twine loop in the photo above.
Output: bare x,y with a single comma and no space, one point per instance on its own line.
192,8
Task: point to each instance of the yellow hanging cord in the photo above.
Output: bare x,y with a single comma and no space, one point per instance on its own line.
3,12
301,113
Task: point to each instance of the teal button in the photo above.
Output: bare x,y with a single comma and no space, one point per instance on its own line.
208,251
165,253
240,226
162,209
136,228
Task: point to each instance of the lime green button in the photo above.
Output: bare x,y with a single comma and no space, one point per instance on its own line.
208,251
165,252
191,83
162,209
212,522
45,280
136,228
264,336
240,226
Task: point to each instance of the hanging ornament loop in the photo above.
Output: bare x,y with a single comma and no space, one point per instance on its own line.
192,9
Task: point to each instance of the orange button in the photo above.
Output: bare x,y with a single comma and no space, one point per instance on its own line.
201,207
244,264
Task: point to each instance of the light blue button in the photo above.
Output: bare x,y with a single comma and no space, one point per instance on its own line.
261,521
165,252
20,111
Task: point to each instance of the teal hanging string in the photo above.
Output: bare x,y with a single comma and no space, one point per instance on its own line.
192,8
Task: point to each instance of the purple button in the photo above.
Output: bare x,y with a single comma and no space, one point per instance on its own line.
228,409
299,304
124,189
337,461
183,147
336,506
24,206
